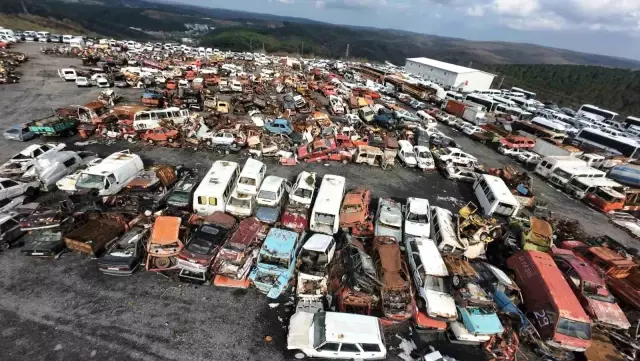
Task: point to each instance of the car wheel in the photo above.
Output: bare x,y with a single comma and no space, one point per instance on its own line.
456,281
30,192
130,140
162,262
483,236
4,246
299,355
170,140
150,141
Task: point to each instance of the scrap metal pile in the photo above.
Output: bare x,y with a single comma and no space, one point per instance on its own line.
9,62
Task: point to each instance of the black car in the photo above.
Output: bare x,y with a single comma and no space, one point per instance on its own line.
126,254
48,215
182,193
43,243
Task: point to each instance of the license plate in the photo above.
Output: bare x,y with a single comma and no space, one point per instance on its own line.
37,254
113,268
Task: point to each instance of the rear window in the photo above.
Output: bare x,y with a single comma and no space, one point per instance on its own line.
573,328
370,347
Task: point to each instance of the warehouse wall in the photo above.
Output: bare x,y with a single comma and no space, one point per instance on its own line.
446,78
474,81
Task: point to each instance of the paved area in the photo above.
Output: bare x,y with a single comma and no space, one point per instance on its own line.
66,310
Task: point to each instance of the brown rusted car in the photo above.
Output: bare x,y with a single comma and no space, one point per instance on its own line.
396,294
354,213
164,244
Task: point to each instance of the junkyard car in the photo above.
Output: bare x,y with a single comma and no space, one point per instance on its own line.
124,256
19,132
276,262
10,230
417,218
181,194
455,155
158,135
336,335
21,162
424,157
164,245
396,293
10,188
317,151
354,213
195,259
312,266
279,126
388,219
235,258
43,243
51,214
50,168
240,204
455,172
303,189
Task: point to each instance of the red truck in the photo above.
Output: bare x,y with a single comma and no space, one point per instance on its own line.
517,141
549,301
455,107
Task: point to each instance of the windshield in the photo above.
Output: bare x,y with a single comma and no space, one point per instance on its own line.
417,218
180,197
573,328
576,183
238,247
90,181
606,196
200,246
562,174
435,284
274,261
424,154
445,151
324,218
268,195
313,262
351,208
241,203
247,181
303,193
597,292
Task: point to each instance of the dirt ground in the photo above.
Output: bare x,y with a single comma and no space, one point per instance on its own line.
66,309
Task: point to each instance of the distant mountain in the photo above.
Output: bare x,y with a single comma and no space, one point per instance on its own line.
239,30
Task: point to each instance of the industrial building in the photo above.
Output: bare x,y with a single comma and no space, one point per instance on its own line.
456,77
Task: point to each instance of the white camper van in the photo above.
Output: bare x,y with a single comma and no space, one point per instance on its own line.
215,189
325,217
112,174
495,197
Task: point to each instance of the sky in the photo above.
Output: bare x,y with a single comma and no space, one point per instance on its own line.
608,27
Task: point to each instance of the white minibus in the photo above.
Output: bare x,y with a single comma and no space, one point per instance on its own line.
325,216
251,176
495,197
550,163
150,119
215,189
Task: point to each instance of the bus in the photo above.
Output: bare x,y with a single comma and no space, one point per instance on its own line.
454,95
592,112
516,112
503,100
488,92
632,122
524,104
541,127
482,100
614,144
527,94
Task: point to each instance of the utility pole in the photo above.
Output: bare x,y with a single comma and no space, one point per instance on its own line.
346,56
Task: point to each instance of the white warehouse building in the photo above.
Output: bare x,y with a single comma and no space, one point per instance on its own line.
449,75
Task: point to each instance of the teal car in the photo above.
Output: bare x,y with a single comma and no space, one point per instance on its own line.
276,262
480,320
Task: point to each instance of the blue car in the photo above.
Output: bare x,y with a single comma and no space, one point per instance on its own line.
480,321
279,126
19,132
276,262
268,215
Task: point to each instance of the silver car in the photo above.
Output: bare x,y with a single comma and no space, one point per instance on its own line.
19,133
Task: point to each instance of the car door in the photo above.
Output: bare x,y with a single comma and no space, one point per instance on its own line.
349,351
328,350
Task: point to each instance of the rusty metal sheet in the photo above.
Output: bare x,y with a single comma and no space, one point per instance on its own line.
391,263
541,227
165,230
460,267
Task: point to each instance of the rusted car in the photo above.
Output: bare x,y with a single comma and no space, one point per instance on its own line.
396,294
590,289
159,135
353,280
312,265
295,218
195,259
354,213
317,151
164,244
124,256
235,258
92,235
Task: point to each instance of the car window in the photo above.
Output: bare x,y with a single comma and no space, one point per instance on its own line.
329,347
349,347
370,347
8,183
69,162
37,152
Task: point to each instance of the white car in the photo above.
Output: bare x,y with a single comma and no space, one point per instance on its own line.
82,81
103,83
406,155
417,218
424,157
464,174
458,124
455,155
469,129
21,162
10,188
511,152
527,157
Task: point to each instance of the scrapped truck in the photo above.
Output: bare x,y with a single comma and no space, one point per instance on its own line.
235,258
312,266
164,245
556,312
93,235
54,125
353,280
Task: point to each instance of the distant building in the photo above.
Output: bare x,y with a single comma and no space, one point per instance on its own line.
449,75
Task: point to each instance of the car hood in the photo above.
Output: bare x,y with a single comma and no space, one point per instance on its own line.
417,229
351,218
299,326
268,214
608,313
440,305
482,324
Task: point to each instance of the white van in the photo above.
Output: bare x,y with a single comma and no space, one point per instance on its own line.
548,164
112,174
215,189
427,120
68,74
150,119
272,191
335,335
443,232
251,176
325,216
67,38
495,197
563,174
406,154
7,32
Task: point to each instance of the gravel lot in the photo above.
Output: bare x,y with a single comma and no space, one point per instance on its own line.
66,310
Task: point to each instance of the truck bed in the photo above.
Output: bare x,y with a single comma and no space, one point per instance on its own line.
93,236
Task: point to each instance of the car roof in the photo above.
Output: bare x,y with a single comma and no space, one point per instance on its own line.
418,205
431,259
318,242
251,168
344,327
271,183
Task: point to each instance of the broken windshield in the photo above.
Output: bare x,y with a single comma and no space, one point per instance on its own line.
267,259
90,181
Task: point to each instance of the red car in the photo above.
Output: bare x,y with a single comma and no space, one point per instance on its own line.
516,141
295,218
317,150
328,90
159,135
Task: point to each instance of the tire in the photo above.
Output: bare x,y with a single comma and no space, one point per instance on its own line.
130,140
162,262
299,355
170,140
4,246
210,142
150,141
483,236
30,192
456,281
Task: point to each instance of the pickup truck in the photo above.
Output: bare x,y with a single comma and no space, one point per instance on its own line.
384,119
54,125
93,235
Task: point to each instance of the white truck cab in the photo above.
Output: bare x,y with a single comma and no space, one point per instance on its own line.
112,174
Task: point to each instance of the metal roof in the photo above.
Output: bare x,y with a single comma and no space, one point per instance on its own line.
345,327
431,259
446,66
318,242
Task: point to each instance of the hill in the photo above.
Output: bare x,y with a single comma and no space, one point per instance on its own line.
238,30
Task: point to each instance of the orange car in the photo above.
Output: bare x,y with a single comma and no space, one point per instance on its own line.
159,135
164,244
354,213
